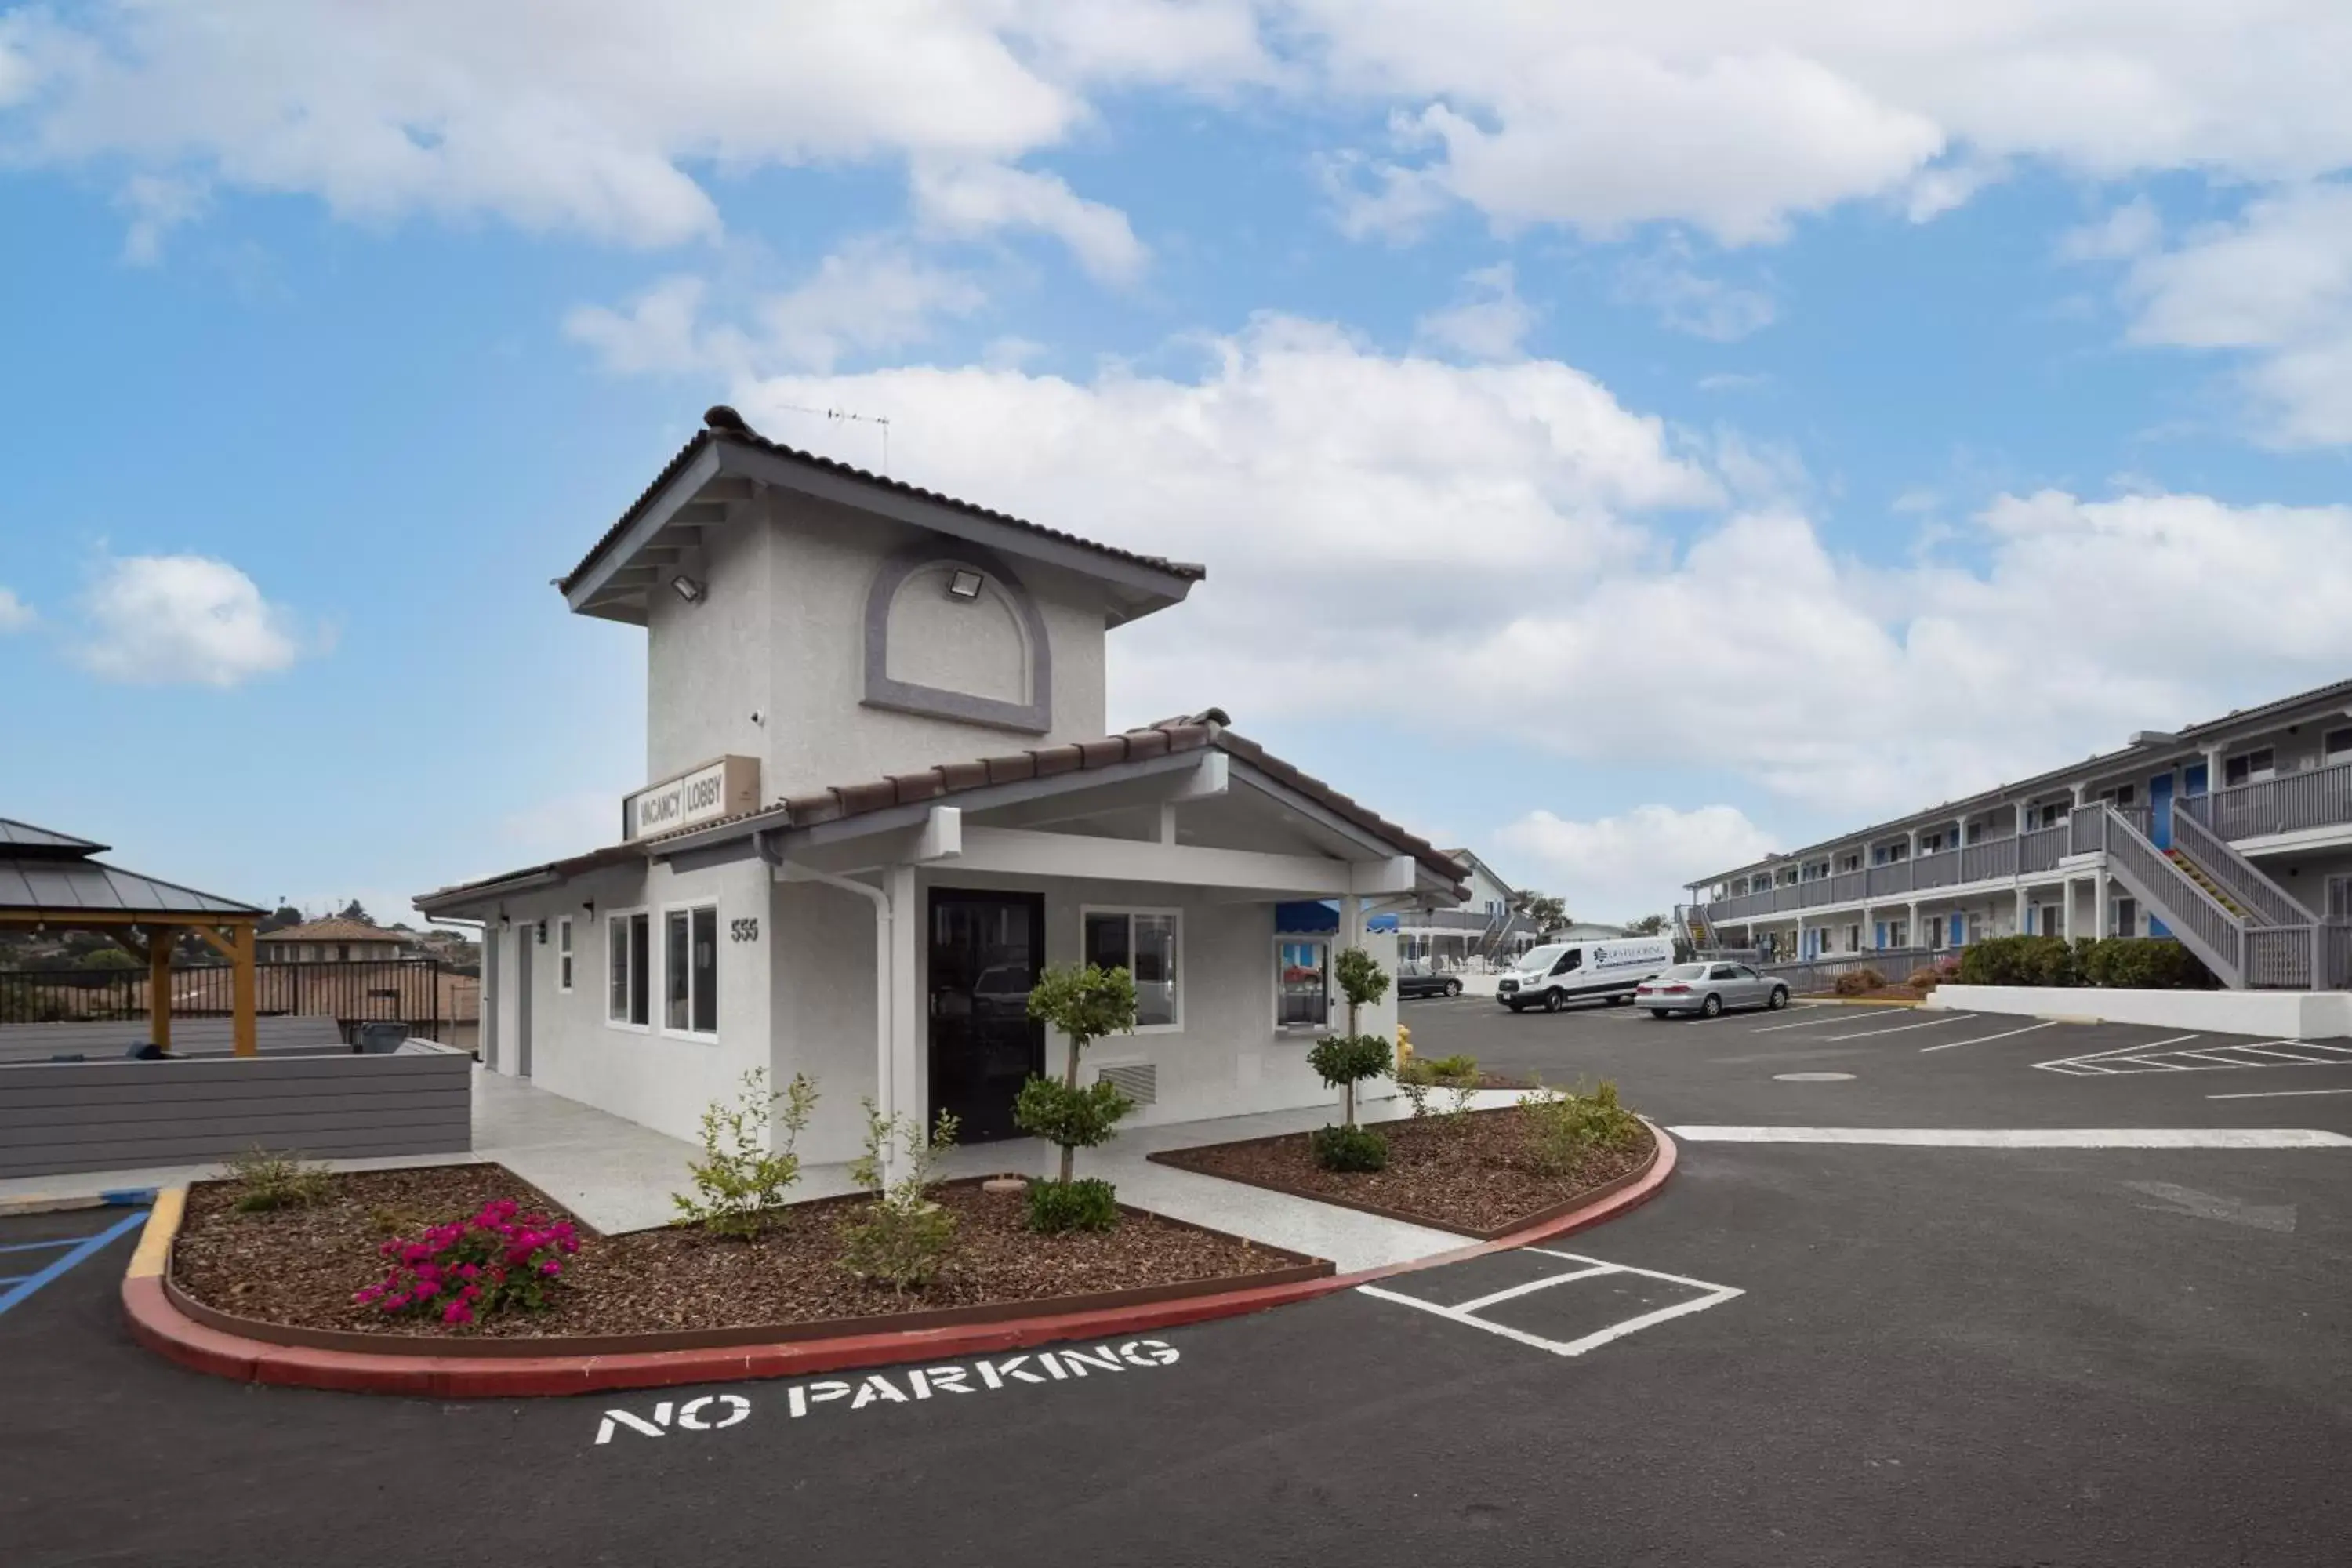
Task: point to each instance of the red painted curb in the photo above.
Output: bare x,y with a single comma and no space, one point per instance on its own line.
163,1329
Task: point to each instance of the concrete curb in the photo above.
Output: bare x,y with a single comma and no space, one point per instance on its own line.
160,1326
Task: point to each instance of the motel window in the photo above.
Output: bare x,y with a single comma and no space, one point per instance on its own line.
2247,767
1144,943
628,968
2126,917
1935,931
564,954
690,971
1302,984
2339,743
2339,898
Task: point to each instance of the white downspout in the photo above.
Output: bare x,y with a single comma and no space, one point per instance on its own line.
886,1090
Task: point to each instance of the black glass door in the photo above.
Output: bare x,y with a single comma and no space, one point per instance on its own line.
986,952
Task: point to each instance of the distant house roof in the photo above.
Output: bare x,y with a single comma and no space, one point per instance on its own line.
50,876
1470,858
1191,732
335,927
725,431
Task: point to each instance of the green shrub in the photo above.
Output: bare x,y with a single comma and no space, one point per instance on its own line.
1562,1125
2146,964
1083,1004
266,1180
902,1238
1858,982
1345,1060
1090,1204
1923,978
2021,961
1416,1079
1349,1148
1458,1066
739,1182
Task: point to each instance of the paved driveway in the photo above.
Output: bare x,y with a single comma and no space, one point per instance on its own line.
1800,1354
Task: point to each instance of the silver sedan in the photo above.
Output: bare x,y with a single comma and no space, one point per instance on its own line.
1708,989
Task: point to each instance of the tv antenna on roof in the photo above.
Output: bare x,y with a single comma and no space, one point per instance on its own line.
880,421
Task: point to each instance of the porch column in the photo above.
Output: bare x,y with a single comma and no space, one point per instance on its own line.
1911,935
159,987
2024,902
2099,904
898,1092
1351,921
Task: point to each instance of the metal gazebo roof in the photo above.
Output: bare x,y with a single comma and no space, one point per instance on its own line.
51,875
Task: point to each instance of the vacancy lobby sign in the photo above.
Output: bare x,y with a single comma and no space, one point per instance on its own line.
715,789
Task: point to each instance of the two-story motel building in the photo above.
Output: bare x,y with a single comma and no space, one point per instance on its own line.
2234,835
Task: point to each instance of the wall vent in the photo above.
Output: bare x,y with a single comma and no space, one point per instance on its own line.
1139,1081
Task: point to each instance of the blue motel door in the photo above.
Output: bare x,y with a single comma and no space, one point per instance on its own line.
2160,828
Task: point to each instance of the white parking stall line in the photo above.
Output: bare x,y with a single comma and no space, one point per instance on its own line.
1807,1023
1464,1314
1904,1028
2277,1093
1544,1284
2028,1137
1980,1040
2271,1049
2081,1065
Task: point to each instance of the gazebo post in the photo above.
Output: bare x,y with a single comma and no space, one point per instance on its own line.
159,987
242,991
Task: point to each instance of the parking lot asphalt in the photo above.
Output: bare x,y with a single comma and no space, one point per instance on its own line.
1909,1066
1798,1354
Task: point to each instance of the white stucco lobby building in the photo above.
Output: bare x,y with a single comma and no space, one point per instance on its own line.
881,796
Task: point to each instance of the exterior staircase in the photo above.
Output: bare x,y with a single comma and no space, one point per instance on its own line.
2213,889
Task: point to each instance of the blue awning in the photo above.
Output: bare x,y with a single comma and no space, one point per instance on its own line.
1315,916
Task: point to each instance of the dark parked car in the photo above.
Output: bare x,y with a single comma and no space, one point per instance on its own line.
1420,980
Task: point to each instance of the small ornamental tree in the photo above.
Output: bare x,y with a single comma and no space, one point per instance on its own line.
1345,1060
1085,1005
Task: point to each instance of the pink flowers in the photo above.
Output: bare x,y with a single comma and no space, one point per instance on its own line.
495,1258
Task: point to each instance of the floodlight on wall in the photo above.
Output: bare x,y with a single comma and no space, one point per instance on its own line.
687,588
964,585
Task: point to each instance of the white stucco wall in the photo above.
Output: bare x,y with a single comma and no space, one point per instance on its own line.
650,1075
709,665
2273,1015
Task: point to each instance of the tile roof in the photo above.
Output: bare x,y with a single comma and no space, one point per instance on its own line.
335,927
1190,733
723,423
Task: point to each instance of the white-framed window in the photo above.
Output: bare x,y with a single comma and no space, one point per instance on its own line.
690,970
564,952
2123,918
1302,982
1147,945
2339,898
628,968
2249,767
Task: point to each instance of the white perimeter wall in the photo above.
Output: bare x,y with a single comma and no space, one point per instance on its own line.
2274,1014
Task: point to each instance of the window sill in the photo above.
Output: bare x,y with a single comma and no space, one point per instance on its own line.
621,1026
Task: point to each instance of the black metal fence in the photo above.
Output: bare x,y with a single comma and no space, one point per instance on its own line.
421,992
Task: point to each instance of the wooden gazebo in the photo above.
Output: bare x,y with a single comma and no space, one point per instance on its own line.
49,879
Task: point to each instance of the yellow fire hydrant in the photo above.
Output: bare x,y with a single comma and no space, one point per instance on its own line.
1404,1044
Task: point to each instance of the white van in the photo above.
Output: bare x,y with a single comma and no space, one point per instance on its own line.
1562,972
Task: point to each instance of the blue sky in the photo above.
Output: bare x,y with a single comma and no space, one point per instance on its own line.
1621,449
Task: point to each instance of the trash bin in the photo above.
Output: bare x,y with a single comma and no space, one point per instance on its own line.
378,1039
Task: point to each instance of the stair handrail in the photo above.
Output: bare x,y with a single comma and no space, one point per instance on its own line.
2196,916
2239,877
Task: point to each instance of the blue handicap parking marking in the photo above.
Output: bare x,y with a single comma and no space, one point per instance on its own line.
72,1252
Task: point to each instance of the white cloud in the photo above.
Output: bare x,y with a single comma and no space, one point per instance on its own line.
157,204
1622,868
1487,323
608,117
15,614
869,296
164,619
1689,301
2275,289
975,200
2126,231
1478,541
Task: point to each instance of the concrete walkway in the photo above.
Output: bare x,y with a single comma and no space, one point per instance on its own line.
618,1175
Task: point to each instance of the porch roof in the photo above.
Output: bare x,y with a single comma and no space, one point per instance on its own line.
1102,760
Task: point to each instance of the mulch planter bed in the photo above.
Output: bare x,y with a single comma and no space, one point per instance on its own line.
1475,1176
298,1268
